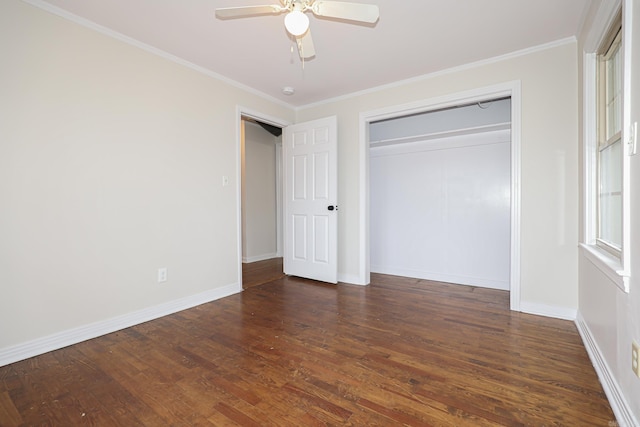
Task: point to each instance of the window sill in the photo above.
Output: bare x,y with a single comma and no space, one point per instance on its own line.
608,264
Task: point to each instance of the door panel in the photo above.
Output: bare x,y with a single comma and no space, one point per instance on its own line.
310,175
300,178
299,239
321,177
321,237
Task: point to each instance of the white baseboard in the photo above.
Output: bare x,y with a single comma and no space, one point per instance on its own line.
352,279
439,277
257,258
73,336
619,405
548,310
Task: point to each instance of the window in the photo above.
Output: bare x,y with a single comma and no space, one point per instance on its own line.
607,177
609,143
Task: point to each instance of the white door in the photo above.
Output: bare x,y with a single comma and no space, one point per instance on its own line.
310,202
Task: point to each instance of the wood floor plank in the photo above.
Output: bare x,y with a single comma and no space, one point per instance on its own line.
8,412
258,273
292,352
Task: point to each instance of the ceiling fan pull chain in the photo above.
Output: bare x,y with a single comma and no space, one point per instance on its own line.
300,51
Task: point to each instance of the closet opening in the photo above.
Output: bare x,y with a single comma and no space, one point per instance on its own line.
440,193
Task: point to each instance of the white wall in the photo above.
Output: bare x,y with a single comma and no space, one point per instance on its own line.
609,318
259,239
630,319
549,171
111,165
440,209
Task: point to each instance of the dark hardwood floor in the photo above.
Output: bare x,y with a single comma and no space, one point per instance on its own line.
261,272
294,352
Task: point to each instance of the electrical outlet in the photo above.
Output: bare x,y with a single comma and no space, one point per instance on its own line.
635,358
162,275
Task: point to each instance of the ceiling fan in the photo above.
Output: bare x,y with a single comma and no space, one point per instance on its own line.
297,23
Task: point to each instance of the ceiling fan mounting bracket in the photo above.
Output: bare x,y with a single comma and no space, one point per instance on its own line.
300,5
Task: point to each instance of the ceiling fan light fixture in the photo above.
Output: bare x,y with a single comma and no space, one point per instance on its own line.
296,23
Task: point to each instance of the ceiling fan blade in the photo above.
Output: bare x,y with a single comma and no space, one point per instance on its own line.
344,10
305,45
242,11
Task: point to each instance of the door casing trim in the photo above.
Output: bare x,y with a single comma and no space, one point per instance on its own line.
510,89
265,118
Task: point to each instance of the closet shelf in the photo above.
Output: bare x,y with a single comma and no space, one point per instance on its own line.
443,134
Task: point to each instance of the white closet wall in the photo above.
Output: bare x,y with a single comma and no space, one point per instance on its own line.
440,208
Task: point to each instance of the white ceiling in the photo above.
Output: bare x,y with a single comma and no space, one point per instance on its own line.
411,39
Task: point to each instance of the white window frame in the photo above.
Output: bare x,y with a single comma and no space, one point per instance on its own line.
613,263
613,43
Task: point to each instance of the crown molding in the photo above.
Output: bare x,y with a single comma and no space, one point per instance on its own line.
40,4
452,70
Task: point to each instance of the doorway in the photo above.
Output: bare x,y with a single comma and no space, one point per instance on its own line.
261,202
310,158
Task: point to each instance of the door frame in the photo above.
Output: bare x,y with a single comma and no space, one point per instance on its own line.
274,121
509,89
